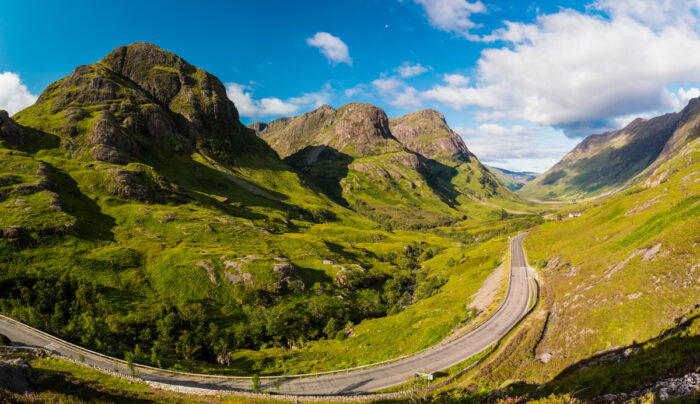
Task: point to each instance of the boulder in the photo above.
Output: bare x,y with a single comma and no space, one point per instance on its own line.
110,141
10,131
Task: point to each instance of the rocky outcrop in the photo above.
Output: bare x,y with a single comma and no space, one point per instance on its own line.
110,141
667,389
289,275
15,375
362,129
10,131
426,132
134,185
143,92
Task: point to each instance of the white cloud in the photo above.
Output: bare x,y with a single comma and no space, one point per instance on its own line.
452,15
407,70
332,47
456,80
396,92
357,90
247,106
681,98
583,72
517,147
14,96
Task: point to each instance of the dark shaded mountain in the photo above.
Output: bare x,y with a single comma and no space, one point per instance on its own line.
615,160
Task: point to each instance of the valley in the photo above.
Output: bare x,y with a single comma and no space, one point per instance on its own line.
147,232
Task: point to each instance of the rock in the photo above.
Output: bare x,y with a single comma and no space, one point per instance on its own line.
224,359
426,132
126,184
11,232
15,375
545,357
289,276
167,217
10,131
110,141
158,123
208,266
349,278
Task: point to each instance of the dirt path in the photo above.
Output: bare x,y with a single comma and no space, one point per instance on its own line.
487,292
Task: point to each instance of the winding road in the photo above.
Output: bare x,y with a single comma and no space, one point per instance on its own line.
440,357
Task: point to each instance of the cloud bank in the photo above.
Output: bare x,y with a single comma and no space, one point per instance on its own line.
14,96
242,97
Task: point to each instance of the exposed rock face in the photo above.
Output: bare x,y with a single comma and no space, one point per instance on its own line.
10,131
354,129
362,128
142,91
15,375
110,142
426,132
134,185
289,135
199,99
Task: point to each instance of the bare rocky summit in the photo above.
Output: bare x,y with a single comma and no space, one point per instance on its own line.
139,98
426,132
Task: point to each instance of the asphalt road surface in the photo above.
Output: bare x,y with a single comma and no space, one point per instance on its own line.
360,381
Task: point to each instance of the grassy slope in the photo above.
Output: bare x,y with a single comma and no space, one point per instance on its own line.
604,163
605,289
602,264
147,254
608,334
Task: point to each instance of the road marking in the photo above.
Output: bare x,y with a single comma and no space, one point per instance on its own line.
52,347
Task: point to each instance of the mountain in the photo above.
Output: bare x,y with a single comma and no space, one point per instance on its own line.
513,180
615,160
364,160
622,277
140,218
426,132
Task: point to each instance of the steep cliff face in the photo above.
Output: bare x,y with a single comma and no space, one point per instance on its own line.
426,132
137,98
361,158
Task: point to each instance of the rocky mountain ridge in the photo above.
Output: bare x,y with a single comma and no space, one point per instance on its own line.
615,160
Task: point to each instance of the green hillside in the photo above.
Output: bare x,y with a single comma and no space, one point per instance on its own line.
140,218
619,286
613,161
388,169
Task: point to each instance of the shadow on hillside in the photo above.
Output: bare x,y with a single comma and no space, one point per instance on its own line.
322,167
630,368
86,390
215,189
36,140
92,223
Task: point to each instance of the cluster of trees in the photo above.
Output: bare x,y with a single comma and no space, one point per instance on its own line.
159,332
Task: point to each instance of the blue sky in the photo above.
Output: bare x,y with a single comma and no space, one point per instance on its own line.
522,82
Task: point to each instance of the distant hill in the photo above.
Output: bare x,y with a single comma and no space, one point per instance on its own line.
615,160
364,160
513,180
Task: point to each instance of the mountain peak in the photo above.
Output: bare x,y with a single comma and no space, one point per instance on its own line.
426,132
150,93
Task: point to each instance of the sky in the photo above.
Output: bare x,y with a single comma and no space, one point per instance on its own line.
521,81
